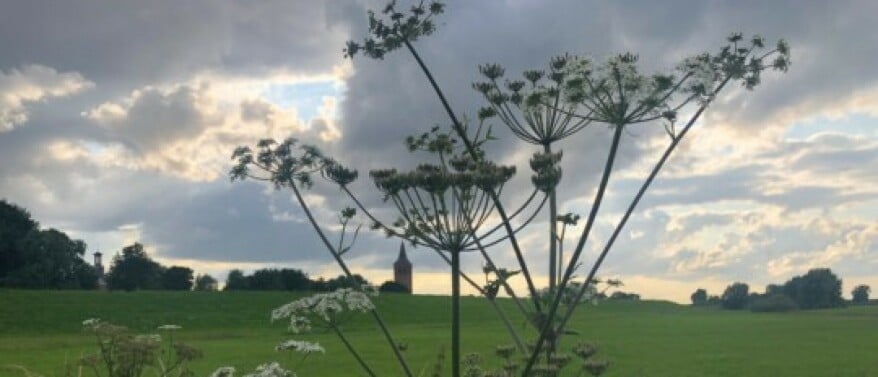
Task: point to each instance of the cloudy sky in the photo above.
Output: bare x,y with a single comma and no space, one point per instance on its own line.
117,120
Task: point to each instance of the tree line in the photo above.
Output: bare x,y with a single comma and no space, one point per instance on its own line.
819,288
287,279
35,258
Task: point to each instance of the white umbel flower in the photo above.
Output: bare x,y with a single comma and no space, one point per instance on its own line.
169,327
272,369
300,346
223,372
322,305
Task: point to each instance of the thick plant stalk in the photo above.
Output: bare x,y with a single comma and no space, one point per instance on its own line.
655,170
548,327
553,230
455,313
391,342
458,128
351,349
500,313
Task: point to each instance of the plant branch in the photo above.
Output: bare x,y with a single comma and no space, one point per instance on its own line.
391,342
458,128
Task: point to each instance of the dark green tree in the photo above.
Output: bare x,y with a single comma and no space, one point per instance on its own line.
393,287
735,296
294,280
699,297
205,283
619,295
177,278
342,281
860,294
818,289
50,259
236,281
133,269
265,279
773,289
15,225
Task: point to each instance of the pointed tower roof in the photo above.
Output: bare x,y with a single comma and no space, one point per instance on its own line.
402,258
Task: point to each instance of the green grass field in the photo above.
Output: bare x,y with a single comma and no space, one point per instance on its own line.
42,329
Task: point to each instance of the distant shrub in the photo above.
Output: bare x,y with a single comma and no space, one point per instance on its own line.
393,287
774,303
619,295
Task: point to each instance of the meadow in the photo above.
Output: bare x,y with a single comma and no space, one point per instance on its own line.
42,330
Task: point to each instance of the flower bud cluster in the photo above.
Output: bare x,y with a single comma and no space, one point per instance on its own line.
548,173
281,163
435,179
393,28
532,108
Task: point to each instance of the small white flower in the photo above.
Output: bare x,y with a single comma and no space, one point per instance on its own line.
358,301
272,369
91,322
169,327
299,324
223,372
300,346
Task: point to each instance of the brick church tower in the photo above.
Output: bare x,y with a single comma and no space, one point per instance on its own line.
402,269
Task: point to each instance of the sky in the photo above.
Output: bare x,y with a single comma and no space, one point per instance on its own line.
117,121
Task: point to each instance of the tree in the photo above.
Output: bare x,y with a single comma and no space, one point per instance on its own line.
265,279
205,283
860,294
342,281
775,302
294,280
133,269
236,281
699,297
177,278
393,287
15,225
735,296
818,289
50,259
619,295
774,289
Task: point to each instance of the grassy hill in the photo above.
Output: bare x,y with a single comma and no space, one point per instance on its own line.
42,329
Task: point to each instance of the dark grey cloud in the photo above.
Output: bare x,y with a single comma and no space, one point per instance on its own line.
149,47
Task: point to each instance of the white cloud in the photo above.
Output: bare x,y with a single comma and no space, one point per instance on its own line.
20,87
188,129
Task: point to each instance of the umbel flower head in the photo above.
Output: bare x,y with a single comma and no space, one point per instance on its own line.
287,163
324,307
443,205
394,27
548,105
532,107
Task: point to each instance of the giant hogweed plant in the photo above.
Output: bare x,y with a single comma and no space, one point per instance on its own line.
453,203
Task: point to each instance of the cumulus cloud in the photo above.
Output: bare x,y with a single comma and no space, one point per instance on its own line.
33,83
189,129
179,85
